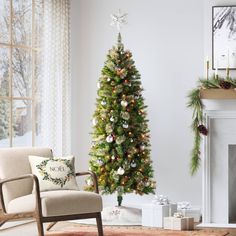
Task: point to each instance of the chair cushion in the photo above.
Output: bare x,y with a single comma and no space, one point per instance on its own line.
59,202
55,173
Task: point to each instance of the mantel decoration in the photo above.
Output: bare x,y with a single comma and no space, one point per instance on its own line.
223,58
196,105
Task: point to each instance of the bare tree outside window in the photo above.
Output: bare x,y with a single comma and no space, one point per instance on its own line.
20,32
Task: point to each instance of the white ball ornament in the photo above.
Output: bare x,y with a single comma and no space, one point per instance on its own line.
109,138
112,119
103,102
124,103
133,164
113,157
120,171
89,182
98,85
125,126
142,147
100,162
108,79
94,121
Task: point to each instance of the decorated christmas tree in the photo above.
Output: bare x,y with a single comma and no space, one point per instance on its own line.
120,151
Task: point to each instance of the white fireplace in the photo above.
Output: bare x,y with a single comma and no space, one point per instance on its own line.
219,164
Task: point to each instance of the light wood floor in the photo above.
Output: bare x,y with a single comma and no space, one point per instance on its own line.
232,232
30,229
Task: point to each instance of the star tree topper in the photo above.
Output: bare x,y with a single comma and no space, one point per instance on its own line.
119,20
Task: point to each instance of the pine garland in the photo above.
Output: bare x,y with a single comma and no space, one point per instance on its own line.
195,103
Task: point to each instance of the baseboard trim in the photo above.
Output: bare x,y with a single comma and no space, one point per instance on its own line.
215,225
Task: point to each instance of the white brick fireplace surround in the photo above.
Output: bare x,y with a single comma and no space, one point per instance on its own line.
219,164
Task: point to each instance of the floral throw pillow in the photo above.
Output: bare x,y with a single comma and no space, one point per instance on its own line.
54,173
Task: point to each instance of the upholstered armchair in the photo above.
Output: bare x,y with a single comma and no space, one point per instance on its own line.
18,201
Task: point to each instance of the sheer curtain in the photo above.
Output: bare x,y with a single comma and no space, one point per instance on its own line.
56,84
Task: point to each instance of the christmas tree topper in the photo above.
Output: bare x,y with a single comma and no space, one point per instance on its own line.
119,20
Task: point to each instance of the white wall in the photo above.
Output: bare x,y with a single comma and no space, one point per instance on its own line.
166,39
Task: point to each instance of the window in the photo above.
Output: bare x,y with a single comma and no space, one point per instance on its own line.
20,32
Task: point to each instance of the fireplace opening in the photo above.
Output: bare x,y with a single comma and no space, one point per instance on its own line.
232,182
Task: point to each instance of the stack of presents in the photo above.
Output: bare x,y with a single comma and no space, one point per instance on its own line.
174,216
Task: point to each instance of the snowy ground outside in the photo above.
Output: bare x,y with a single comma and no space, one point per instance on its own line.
19,141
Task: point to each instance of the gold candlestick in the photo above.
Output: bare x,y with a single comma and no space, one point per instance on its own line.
227,72
207,67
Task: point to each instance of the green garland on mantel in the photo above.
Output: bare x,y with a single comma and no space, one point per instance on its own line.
195,103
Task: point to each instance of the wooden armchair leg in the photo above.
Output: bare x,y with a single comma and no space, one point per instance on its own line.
2,222
51,225
40,226
99,224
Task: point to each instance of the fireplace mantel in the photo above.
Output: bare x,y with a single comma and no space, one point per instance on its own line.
219,94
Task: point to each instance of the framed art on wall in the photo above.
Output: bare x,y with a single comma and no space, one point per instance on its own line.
224,37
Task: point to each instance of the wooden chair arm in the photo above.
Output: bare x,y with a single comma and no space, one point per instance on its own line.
94,177
27,176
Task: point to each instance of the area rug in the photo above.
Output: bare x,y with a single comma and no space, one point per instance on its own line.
131,231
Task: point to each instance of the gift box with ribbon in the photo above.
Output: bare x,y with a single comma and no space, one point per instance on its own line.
187,210
178,222
153,214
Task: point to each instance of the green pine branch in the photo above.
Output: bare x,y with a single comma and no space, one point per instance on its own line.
195,103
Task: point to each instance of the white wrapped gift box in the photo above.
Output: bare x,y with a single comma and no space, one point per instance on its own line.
153,214
194,212
175,223
173,209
